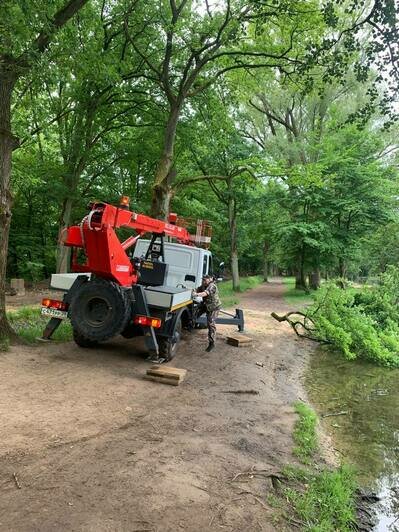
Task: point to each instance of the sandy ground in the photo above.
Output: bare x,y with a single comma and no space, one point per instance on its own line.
94,447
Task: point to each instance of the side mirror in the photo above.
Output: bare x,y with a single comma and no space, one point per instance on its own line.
219,274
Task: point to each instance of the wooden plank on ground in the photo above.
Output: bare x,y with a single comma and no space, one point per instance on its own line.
173,382
239,340
166,374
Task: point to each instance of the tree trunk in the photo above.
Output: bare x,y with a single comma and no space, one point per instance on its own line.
266,261
300,280
162,189
63,251
300,275
342,268
314,279
161,199
235,272
7,143
10,71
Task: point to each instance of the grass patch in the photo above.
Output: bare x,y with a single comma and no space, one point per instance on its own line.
324,501
305,436
29,324
229,297
309,498
294,296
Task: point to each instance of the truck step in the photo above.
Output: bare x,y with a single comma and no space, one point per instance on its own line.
166,375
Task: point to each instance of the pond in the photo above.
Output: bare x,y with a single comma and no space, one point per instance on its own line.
364,401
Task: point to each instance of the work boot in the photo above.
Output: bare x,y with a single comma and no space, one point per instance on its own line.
210,347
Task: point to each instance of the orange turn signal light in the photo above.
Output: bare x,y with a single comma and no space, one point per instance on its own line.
147,321
54,303
124,201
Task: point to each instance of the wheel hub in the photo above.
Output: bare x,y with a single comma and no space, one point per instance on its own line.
97,311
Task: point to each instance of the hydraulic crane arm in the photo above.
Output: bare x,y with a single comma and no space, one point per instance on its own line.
105,254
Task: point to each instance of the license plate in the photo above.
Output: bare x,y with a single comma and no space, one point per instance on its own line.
54,313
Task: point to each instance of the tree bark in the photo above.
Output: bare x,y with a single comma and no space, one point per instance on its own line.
342,268
162,189
235,271
161,200
300,280
232,215
62,251
300,274
266,261
7,143
314,279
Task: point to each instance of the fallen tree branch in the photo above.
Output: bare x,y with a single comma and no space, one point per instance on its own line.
273,475
251,392
305,323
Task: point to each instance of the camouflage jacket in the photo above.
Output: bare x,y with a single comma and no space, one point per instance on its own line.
212,300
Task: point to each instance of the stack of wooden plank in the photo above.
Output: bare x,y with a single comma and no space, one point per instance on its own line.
239,340
166,375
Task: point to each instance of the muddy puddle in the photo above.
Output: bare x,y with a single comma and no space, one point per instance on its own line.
361,405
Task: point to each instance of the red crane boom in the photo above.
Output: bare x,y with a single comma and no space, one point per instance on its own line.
105,255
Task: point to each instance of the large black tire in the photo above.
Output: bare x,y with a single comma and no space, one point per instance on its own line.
100,310
81,341
168,346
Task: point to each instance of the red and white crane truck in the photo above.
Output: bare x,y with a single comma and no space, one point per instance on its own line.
137,287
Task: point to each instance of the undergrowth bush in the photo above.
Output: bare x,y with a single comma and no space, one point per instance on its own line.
361,324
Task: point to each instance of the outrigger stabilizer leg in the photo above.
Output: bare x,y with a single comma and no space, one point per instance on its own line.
225,318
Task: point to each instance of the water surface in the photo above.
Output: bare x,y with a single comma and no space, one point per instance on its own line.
366,433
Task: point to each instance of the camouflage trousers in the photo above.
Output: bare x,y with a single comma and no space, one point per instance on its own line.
211,324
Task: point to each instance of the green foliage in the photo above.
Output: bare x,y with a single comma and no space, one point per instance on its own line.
296,183
305,436
29,324
327,502
361,324
33,271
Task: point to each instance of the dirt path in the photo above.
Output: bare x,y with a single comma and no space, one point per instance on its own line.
96,448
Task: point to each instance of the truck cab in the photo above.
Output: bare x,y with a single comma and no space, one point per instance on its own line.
186,264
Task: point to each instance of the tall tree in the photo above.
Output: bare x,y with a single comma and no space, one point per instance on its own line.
223,162
185,50
27,36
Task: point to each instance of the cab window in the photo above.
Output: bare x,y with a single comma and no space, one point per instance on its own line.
205,266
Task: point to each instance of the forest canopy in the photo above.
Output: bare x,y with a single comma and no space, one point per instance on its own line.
276,121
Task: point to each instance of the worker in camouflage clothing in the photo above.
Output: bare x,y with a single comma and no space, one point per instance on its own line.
211,306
